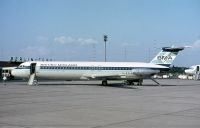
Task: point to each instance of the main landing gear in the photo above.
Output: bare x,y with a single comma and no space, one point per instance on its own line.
128,82
131,82
104,82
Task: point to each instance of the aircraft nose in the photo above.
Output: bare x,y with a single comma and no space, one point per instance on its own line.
20,73
13,72
16,73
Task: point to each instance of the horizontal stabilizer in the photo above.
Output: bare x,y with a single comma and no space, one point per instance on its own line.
170,49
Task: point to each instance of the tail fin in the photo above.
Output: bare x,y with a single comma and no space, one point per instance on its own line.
166,56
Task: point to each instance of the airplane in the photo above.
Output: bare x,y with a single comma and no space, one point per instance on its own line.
129,71
194,71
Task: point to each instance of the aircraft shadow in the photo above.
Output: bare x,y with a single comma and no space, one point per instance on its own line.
120,85
114,85
157,85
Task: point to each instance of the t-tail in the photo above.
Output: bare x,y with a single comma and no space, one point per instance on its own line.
166,56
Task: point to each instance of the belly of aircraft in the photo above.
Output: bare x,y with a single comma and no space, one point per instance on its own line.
78,75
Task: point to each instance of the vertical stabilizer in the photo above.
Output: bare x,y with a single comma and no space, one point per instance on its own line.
166,56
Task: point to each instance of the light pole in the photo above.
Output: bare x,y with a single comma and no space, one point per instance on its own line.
105,40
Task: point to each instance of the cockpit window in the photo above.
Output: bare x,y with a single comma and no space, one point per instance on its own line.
22,67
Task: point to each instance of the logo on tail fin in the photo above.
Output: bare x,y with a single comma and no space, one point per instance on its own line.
166,56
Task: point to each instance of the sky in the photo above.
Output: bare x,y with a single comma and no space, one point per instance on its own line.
72,30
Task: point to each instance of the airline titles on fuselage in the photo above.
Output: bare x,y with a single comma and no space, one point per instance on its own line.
61,65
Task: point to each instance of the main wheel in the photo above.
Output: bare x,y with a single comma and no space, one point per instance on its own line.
129,82
104,82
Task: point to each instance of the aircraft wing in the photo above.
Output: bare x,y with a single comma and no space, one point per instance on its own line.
102,76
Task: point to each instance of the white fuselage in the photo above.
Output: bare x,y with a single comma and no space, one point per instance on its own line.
88,70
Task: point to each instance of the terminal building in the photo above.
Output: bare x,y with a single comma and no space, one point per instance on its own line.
6,67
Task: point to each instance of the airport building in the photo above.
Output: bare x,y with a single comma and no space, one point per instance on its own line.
6,67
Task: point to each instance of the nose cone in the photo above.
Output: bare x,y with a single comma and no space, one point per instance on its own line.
20,73
14,73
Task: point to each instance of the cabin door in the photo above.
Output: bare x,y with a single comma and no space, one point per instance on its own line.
32,68
197,68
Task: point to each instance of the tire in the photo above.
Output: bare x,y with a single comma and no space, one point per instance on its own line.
104,82
129,82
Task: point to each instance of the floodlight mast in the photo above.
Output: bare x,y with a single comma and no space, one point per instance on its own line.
105,40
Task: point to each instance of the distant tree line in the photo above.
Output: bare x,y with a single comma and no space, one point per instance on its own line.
173,72
177,70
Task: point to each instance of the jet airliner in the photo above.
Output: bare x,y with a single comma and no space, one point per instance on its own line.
104,71
194,71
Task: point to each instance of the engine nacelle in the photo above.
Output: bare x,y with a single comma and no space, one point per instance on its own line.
142,71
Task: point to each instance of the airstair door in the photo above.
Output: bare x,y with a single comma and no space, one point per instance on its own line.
32,68
32,74
197,68
197,73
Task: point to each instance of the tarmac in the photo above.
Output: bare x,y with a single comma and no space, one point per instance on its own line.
86,104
